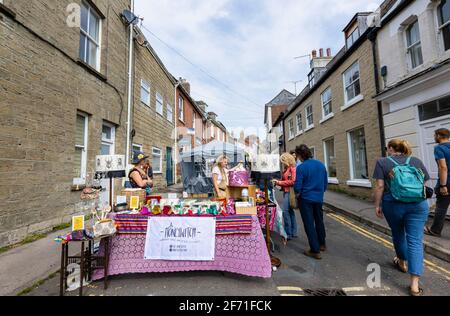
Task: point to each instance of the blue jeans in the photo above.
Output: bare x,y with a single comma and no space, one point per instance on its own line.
290,222
407,222
312,216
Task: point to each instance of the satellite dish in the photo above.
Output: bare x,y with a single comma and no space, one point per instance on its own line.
130,17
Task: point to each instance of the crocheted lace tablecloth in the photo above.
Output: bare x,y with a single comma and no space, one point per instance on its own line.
242,254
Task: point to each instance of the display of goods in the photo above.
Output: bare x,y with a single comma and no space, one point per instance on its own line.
238,178
104,228
231,210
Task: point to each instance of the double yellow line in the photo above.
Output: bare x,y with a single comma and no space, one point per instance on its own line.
430,265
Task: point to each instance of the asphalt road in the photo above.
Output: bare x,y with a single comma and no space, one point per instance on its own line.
352,247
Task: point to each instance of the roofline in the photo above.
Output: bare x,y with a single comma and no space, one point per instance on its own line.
298,101
267,104
403,5
354,18
155,55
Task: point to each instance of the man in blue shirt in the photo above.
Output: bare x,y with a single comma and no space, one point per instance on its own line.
442,156
310,186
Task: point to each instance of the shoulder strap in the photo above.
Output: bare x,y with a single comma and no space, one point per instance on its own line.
393,160
408,161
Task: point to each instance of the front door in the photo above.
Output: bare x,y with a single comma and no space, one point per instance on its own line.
428,144
108,148
169,171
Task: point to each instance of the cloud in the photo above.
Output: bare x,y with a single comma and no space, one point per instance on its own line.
249,45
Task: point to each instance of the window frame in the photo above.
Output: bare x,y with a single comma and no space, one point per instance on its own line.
330,103
160,155
81,179
443,25
138,146
411,47
331,180
159,97
169,109
299,130
352,37
353,181
98,42
356,98
181,108
148,90
308,125
110,142
291,129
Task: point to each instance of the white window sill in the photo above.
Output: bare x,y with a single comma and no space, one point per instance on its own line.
360,183
147,105
326,118
309,128
353,102
299,133
333,181
291,138
79,181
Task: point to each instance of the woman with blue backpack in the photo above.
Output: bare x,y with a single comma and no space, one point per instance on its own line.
400,196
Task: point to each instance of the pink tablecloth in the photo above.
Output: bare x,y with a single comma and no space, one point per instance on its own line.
241,254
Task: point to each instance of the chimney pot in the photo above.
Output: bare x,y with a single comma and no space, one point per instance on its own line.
321,52
314,54
328,52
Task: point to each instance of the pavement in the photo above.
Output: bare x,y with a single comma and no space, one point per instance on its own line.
363,211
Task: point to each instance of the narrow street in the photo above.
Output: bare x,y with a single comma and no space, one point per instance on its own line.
351,248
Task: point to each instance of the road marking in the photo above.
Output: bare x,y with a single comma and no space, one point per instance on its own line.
291,295
354,289
430,265
290,288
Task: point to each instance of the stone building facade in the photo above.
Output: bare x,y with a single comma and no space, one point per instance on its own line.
154,113
61,105
338,118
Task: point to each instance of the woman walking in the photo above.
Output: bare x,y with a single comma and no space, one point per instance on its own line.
406,219
286,184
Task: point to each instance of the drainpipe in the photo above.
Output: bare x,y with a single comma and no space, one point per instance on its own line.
373,38
176,132
130,91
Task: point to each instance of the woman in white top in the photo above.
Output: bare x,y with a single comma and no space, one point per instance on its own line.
220,176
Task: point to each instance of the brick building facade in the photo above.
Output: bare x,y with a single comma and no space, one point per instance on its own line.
61,105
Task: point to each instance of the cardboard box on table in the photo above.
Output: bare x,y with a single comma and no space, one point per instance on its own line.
235,193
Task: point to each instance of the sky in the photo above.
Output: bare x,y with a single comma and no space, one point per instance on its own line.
239,54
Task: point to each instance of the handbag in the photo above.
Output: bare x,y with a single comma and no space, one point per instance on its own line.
429,192
104,228
292,198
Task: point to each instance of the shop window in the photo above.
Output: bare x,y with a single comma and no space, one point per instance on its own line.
108,139
159,104
352,86
444,22
327,109
299,123
309,116
156,160
414,45
145,92
358,155
90,24
81,137
330,158
434,109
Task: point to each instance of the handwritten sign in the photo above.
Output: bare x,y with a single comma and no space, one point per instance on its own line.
180,239
77,223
